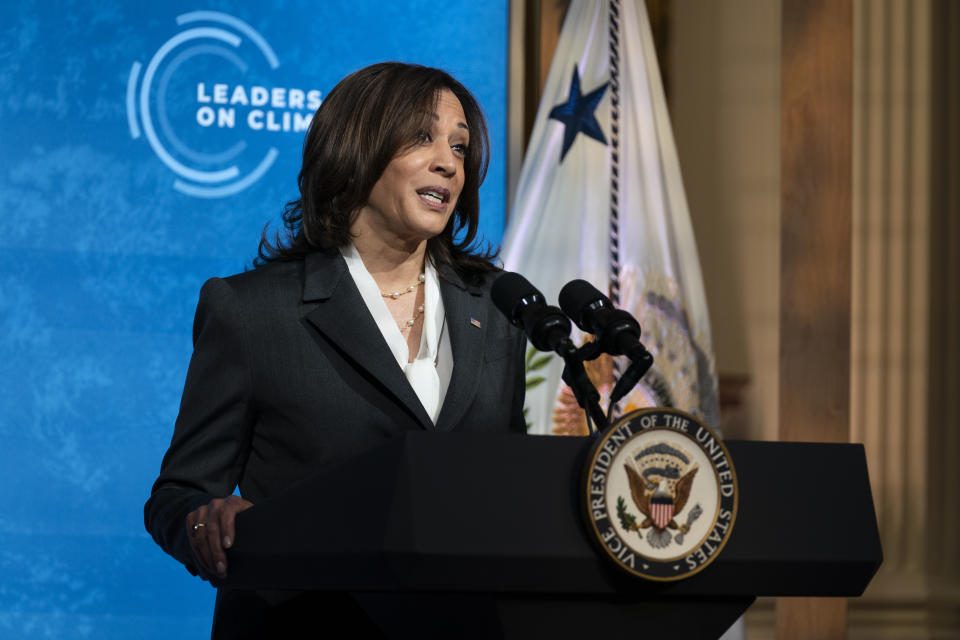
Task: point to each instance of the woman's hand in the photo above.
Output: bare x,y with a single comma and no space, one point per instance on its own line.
211,532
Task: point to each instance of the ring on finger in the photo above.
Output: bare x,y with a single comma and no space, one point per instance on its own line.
199,526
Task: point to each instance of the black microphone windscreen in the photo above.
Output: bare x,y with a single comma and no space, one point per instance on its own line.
576,295
509,289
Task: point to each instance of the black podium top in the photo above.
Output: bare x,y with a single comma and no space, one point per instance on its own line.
460,512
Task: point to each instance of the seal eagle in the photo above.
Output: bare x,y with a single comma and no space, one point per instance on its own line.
648,496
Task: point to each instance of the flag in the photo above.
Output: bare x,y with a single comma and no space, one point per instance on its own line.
600,197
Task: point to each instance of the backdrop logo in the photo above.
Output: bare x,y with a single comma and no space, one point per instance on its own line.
206,105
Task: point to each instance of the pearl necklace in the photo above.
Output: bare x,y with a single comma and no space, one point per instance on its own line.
396,294
409,323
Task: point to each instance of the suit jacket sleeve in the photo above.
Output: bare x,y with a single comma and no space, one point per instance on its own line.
212,434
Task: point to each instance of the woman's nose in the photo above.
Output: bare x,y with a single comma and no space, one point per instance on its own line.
444,161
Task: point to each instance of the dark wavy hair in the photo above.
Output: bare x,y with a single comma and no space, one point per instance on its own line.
369,117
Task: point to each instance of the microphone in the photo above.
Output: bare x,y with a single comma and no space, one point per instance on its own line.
548,330
546,327
617,332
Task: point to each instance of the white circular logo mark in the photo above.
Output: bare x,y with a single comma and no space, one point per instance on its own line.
235,115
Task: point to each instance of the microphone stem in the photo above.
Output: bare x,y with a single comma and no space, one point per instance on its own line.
642,361
575,375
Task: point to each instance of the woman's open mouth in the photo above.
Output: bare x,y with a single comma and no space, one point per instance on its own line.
435,197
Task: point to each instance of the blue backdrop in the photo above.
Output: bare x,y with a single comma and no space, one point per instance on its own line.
143,149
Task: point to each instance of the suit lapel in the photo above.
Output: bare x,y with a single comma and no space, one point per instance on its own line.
465,309
342,316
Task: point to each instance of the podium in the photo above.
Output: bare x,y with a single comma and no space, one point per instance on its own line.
477,535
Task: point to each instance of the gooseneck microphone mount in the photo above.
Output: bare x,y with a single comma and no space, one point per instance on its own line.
548,329
617,333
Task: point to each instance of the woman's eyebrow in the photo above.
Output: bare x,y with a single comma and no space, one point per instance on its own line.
462,125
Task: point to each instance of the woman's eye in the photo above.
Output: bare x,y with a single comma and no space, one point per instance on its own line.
424,137
460,149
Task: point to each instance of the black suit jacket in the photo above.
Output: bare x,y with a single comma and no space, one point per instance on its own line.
290,375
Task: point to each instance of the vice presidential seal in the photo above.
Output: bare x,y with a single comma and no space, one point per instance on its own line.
660,494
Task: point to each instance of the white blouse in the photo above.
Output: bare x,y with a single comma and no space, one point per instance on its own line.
429,373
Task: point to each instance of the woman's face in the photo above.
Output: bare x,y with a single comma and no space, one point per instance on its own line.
413,199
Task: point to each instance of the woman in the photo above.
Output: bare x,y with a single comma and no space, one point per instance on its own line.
366,319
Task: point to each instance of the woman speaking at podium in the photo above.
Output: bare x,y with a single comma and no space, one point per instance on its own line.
369,316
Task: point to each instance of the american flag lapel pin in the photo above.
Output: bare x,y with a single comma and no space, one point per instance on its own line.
476,323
